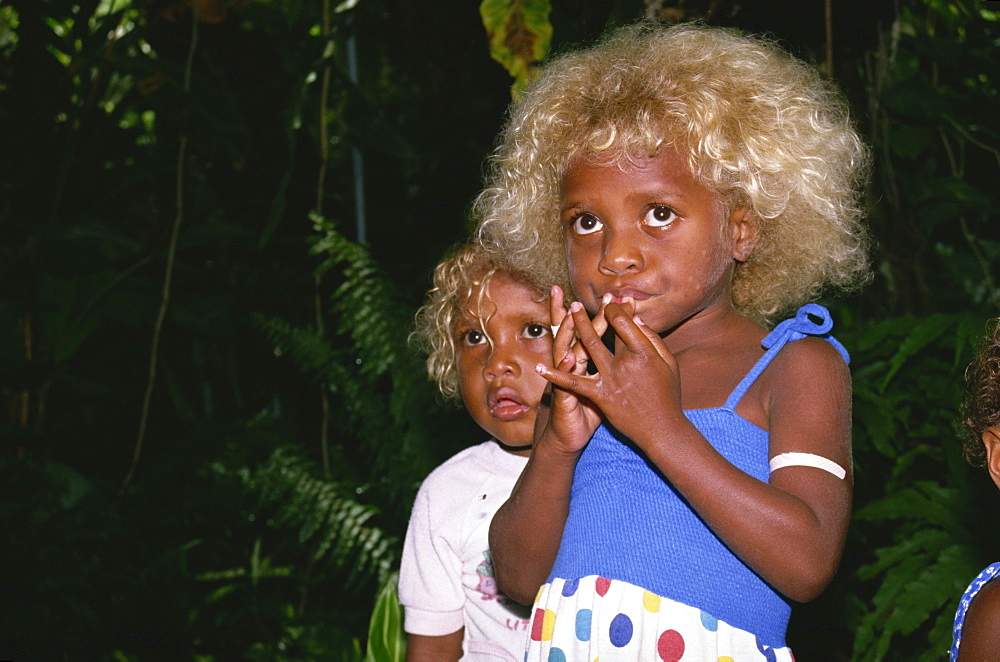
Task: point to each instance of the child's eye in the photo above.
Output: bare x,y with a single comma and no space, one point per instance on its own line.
473,337
536,330
586,224
659,216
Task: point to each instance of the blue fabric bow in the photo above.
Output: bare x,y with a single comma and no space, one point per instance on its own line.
811,319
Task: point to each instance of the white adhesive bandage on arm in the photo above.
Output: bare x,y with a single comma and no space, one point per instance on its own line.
806,460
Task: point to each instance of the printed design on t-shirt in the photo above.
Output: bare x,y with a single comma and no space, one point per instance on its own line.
488,583
487,580
490,591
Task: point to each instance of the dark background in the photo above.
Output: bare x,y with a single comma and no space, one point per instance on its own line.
257,505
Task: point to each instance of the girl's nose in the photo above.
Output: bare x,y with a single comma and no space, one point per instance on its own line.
620,254
501,362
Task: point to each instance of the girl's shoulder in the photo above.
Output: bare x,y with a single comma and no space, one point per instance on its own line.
802,372
806,361
981,629
805,346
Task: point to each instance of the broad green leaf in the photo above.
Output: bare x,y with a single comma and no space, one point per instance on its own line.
386,640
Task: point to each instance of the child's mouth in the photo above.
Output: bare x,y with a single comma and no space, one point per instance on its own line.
505,406
618,295
629,299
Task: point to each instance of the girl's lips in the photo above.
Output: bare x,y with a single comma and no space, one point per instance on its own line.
618,294
505,404
508,410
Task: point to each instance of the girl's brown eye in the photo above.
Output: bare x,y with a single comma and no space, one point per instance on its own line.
474,337
659,216
536,330
586,224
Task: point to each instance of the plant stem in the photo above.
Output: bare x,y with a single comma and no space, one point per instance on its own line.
324,152
154,351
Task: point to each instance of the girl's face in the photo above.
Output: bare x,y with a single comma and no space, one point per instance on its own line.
497,348
646,229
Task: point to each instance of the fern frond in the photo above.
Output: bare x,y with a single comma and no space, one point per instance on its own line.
922,572
306,348
365,302
916,499
379,377
922,332
927,502
323,514
922,579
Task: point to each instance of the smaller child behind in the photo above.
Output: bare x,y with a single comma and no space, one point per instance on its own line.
977,622
485,329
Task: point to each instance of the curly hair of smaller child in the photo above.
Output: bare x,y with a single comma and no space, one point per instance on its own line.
468,269
981,405
762,129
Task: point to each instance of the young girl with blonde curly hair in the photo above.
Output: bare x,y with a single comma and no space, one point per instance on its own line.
484,329
684,186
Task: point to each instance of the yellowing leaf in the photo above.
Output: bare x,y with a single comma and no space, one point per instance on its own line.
519,33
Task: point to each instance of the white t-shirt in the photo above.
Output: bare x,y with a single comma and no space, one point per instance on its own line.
446,577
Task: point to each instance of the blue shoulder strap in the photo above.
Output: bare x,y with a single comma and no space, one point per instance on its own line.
811,319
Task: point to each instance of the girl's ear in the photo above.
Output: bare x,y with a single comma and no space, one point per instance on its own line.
745,231
991,439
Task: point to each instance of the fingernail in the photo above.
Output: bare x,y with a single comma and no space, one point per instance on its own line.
606,299
575,306
638,320
626,299
540,368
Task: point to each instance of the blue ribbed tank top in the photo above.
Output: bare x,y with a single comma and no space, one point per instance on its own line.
626,522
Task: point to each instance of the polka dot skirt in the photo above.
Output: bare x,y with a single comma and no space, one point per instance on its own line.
600,620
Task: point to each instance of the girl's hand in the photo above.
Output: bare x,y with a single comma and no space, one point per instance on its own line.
567,343
636,387
570,420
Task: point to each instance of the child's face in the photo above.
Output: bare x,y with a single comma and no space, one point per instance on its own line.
648,230
991,439
499,384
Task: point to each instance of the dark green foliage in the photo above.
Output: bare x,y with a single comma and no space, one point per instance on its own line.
926,521
931,93
327,521
921,526
381,400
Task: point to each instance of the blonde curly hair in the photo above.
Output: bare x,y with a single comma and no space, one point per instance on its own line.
762,130
468,269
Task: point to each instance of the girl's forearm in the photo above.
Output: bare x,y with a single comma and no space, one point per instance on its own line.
443,648
526,530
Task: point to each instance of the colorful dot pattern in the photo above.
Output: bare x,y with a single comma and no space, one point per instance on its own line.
604,620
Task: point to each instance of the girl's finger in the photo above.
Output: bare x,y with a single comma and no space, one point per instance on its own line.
627,331
655,340
557,307
564,341
628,305
568,363
589,338
578,384
599,321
